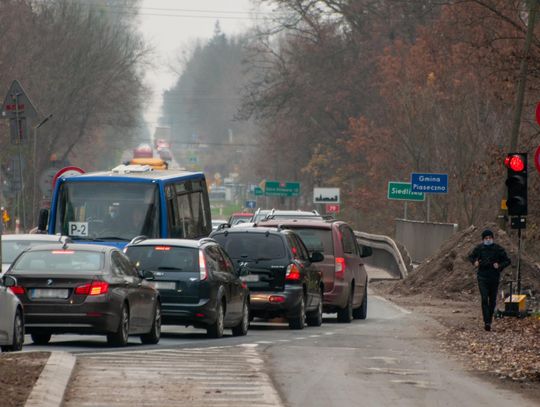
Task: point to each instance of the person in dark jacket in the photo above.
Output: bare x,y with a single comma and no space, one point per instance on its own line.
489,259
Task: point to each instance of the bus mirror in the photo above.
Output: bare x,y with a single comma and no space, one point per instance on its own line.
42,220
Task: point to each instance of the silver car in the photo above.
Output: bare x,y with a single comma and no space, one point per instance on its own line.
11,317
13,245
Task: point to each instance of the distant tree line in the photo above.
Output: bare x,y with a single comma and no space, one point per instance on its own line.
81,62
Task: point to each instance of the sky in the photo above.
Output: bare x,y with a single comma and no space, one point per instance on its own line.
172,26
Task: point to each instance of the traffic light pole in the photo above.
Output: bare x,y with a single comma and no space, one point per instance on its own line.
518,277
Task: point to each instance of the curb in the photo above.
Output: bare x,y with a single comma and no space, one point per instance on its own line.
52,382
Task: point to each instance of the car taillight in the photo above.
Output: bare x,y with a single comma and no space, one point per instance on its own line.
95,288
340,267
17,289
203,274
292,272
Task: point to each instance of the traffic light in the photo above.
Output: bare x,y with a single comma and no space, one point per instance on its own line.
516,183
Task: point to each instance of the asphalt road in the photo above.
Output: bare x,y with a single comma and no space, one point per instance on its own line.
386,360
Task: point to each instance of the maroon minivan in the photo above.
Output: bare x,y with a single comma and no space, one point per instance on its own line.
344,275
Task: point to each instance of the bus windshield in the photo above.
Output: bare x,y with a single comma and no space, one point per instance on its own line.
107,211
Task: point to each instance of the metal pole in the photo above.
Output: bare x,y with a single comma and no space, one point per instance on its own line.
428,207
518,290
21,199
34,193
405,210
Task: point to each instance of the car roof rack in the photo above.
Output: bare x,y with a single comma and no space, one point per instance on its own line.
138,239
206,240
224,226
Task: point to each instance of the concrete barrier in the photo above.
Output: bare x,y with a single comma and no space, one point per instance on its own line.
423,239
388,261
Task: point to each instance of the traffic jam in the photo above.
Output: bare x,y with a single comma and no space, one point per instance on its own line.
101,271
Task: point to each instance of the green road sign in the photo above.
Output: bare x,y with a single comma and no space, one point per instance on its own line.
258,191
402,191
276,188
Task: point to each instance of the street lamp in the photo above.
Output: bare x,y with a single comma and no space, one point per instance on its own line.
35,163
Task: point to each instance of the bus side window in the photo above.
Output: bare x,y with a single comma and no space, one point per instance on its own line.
175,228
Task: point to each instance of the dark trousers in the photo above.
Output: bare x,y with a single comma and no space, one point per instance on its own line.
488,291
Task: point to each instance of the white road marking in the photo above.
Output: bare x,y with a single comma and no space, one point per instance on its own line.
401,309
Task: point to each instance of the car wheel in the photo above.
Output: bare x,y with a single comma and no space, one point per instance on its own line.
242,328
346,314
361,312
40,339
298,321
18,334
216,329
314,318
121,336
152,337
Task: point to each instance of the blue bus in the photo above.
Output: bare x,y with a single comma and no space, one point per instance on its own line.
113,207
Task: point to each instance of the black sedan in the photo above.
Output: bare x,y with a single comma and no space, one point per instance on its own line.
85,289
197,283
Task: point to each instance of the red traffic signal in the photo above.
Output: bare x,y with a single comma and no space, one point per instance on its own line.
515,162
516,183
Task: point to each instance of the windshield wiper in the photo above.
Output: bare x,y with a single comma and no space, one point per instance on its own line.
112,238
169,268
86,238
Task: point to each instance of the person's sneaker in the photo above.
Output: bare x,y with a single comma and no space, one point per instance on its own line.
487,327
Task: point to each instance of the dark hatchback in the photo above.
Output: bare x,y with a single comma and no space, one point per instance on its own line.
197,282
85,289
282,277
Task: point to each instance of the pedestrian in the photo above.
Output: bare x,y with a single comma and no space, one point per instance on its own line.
489,259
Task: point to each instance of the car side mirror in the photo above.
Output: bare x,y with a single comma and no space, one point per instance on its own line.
9,281
42,220
365,251
147,275
316,257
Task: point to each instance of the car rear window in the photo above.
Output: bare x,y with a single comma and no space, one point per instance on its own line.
316,240
171,258
252,246
46,261
11,249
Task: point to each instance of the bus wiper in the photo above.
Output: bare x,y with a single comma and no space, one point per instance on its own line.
102,239
90,239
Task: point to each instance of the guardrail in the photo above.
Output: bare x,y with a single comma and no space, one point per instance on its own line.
390,260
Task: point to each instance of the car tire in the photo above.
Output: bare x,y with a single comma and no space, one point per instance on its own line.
216,329
18,334
361,312
152,337
40,338
298,321
121,336
242,328
314,318
346,314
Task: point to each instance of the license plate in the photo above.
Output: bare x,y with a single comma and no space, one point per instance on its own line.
49,293
250,278
164,285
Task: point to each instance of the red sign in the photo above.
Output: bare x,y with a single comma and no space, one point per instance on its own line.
66,172
537,158
538,113
332,208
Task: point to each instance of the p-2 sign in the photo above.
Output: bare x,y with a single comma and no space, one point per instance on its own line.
78,229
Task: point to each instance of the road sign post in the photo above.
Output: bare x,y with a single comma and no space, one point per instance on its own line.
401,191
